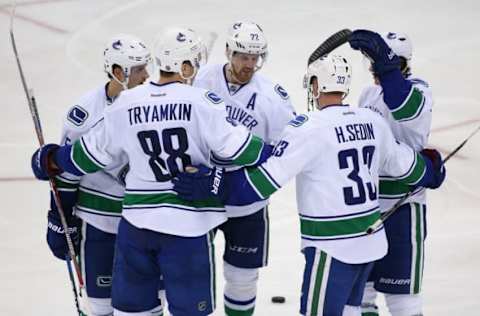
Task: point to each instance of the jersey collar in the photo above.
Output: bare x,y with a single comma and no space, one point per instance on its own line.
163,84
224,69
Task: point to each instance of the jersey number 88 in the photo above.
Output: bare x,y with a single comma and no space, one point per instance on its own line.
150,142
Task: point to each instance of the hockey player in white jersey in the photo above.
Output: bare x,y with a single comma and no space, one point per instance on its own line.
336,154
264,108
161,128
406,104
93,203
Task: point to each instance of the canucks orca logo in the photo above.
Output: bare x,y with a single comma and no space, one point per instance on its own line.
299,120
181,37
236,26
77,115
282,92
391,35
213,97
117,44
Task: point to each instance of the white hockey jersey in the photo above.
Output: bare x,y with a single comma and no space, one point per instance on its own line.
99,195
336,155
162,129
410,124
261,106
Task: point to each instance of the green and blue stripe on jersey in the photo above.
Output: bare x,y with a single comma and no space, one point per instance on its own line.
149,199
345,226
404,100
418,173
250,153
97,202
411,107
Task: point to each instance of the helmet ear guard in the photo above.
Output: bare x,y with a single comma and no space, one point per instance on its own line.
333,74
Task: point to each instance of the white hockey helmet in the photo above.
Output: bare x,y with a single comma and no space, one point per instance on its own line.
246,37
177,45
401,45
333,73
125,51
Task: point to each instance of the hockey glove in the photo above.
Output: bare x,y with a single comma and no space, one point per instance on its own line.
438,171
199,183
56,237
374,47
42,159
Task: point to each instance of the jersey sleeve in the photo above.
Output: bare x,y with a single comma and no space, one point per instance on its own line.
281,112
400,162
92,152
292,154
410,103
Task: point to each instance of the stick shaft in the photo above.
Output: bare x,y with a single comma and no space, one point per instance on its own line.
38,130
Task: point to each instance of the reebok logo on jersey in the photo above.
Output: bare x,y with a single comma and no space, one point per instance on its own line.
216,181
77,115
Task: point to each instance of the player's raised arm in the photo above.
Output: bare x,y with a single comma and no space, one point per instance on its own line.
409,100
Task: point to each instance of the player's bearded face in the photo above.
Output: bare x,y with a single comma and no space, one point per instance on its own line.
244,66
138,75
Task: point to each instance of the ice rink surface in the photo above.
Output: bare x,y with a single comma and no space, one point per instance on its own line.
61,44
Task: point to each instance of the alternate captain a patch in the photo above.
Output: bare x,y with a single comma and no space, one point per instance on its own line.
77,115
281,92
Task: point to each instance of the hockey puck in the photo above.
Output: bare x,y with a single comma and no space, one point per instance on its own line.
278,299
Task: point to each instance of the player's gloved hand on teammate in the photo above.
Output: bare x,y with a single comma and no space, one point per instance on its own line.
201,183
42,162
437,166
56,237
373,45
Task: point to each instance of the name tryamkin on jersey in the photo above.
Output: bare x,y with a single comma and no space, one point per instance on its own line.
159,112
353,132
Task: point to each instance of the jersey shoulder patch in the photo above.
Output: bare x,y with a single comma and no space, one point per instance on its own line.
298,121
212,97
281,92
77,115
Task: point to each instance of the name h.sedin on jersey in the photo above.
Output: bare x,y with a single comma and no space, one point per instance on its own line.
353,132
160,112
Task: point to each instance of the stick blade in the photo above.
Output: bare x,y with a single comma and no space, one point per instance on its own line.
335,40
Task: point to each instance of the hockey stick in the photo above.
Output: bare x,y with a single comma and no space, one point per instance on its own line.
38,129
335,40
72,279
392,210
